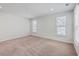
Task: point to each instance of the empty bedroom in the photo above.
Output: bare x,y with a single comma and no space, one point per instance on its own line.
39,29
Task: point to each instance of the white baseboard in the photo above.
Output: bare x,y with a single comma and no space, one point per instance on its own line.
76,45
18,36
35,34
13,37
52,38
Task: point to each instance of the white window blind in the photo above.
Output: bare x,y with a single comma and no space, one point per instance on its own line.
34,26
61,25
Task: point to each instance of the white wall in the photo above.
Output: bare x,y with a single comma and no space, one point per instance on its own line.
76,28
12,26
47,27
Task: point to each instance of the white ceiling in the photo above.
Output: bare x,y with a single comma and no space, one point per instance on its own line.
32,10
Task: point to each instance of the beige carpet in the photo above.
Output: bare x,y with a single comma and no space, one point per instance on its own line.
36,46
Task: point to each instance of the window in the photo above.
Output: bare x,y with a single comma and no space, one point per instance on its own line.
61,25
34,26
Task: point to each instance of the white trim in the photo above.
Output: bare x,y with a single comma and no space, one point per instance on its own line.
76,47
52,38
11,38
